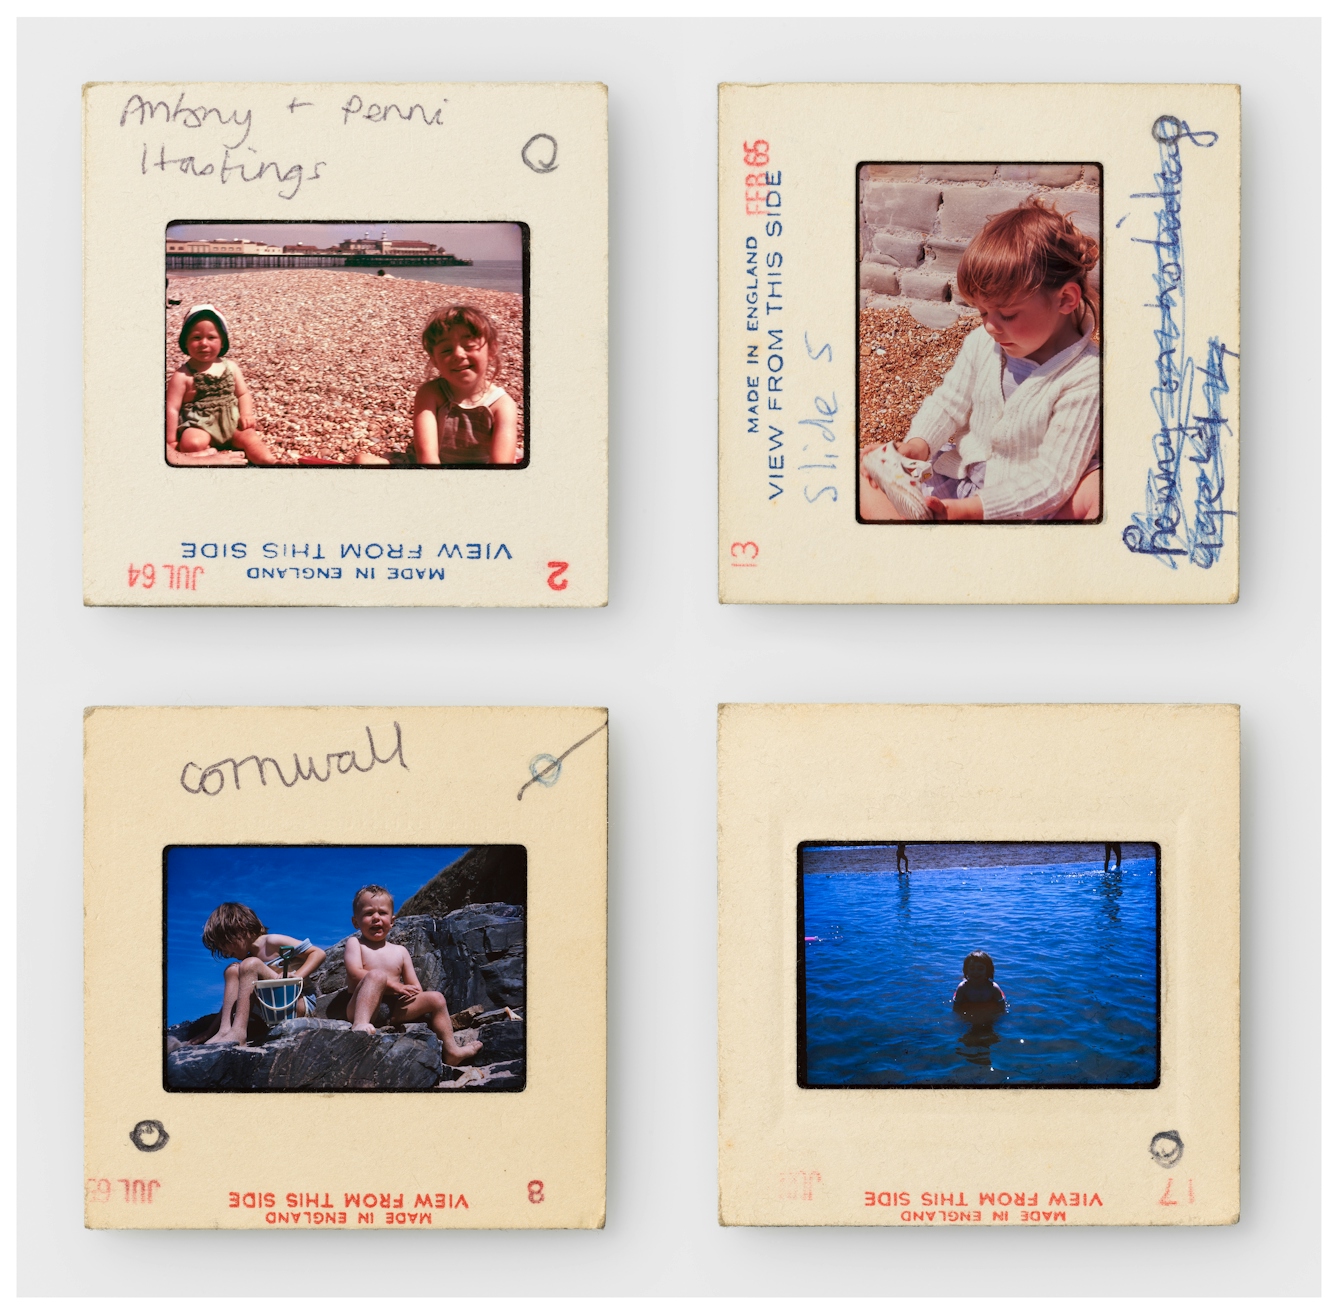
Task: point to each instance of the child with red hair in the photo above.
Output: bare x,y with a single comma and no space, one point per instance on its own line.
1014,430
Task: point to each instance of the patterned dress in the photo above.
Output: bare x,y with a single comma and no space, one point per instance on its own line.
214,407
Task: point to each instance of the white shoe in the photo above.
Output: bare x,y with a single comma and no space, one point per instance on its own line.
902,480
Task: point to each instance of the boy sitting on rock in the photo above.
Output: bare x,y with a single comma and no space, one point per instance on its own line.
380,972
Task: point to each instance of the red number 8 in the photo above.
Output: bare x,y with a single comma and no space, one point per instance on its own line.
536,1190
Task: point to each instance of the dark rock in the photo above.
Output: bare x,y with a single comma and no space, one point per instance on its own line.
490,873
211,1067
311,1054
504,981
482,950
502,1042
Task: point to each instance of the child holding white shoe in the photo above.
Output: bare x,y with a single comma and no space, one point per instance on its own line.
1013,432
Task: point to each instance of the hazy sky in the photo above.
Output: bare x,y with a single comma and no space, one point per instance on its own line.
475,241
306,892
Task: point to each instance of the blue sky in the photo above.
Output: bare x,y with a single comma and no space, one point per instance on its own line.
297,890
485,241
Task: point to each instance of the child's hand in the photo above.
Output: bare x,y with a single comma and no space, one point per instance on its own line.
936,508
404,990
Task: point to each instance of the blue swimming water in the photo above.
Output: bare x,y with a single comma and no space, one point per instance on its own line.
1074,951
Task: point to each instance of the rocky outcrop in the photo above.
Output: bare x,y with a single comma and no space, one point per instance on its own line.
317,1054
491,873
312,1054
474,955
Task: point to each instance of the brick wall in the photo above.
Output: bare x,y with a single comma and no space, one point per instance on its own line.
915,220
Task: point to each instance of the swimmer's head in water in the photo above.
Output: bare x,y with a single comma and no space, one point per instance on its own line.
978,966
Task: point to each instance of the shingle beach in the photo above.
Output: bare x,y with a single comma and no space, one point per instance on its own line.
901,363
334,358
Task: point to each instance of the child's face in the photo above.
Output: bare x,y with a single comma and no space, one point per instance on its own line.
462,360
203,343
239,947
374,917
1022,328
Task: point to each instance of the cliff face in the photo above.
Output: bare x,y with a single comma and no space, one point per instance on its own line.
474,955
490,873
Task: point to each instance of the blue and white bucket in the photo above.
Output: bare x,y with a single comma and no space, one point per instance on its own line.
278,998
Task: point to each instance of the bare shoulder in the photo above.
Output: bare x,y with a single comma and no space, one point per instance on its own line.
503,405
428,396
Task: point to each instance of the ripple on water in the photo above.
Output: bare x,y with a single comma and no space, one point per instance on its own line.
1074,951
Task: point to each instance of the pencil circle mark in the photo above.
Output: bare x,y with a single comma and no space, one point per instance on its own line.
540,165
1166,1148
546,774
1167,128
149,1135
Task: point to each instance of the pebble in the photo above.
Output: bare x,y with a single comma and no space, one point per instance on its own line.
902,363
333,358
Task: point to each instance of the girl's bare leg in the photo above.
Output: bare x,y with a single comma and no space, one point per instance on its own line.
366,458
432,1006
194,448
257,450
365,999
192,440
1085,504
230,991
247,973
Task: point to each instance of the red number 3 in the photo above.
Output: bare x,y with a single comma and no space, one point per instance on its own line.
536,1190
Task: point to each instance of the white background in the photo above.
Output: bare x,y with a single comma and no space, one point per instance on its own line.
664,653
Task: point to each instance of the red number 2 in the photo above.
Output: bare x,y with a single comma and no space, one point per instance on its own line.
556,584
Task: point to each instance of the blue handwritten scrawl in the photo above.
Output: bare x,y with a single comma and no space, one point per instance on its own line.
1186,487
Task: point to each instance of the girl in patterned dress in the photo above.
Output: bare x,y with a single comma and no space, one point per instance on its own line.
462,417
210,413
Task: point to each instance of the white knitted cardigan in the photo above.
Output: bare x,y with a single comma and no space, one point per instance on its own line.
1038,443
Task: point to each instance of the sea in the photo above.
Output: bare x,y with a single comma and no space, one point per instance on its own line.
1074,950
494,275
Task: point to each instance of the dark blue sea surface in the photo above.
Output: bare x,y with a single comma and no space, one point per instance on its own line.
1074,949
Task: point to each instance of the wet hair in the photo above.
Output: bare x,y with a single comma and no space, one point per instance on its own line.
1029,249
981,962
375,891
227,924
478,322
